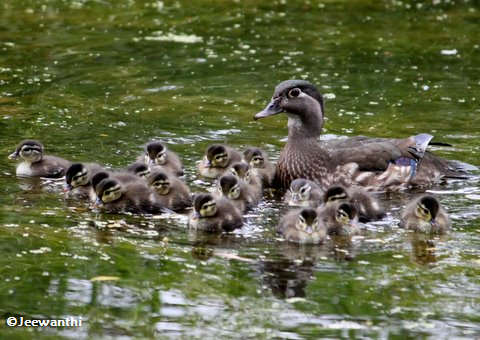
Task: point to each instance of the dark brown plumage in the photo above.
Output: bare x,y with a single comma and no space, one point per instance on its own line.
35,163
358,160
214,214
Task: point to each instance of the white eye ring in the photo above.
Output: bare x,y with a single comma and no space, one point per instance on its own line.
294,92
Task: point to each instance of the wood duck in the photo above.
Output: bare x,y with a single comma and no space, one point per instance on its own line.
172,192
214,214
139,169
135,197
243,171
237,191
304,193
218,158
258,160
425,214
78,180
157,155
358,160
302,226
367,206
121,176
340,218
35,163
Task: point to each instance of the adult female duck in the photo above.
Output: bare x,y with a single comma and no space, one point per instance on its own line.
376,163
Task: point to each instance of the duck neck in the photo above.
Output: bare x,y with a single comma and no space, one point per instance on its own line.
307,127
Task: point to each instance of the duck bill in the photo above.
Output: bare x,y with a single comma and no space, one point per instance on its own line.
13,155
272,108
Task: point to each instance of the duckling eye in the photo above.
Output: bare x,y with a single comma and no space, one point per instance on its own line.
219,157
294,93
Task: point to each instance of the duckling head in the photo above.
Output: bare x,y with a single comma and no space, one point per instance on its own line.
29,150
240,170
254,157
345,213
139,169
230,186
427,209
335,193
98,177
109,190
307,221
160,182
217,156
300,190
302,103
204,205
156,153
76,175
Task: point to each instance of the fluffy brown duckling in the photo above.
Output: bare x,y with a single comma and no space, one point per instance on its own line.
367,206
139,169
218,158
172,192
135,197
157,155
426,215
304,193
238,192
35,163
214,214
78,180
340,218
302,226
258,160
243,171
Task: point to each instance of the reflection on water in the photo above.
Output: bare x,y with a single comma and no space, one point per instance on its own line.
94,81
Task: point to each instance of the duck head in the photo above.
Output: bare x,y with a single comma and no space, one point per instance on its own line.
109,190
76,175
204,205
230,187
307,221
335,193
155,153
30,151
139,169
160,182
302,103
255,157
98,177
427,209
216,156
300,190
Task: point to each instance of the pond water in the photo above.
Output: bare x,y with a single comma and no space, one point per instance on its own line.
95,80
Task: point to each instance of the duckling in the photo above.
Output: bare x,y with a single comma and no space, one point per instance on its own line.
172,192
340,218
238,192
121,176
135,197
157,155
78,180
214,214
218,158
35,163
425,214
305,156
139,168
242,170
366,205
258,160
302,226
304,193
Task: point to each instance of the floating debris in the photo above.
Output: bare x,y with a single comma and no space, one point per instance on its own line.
180,38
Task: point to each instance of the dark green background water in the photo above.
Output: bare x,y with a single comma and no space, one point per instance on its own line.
94,81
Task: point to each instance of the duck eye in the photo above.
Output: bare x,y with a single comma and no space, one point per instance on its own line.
294,92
